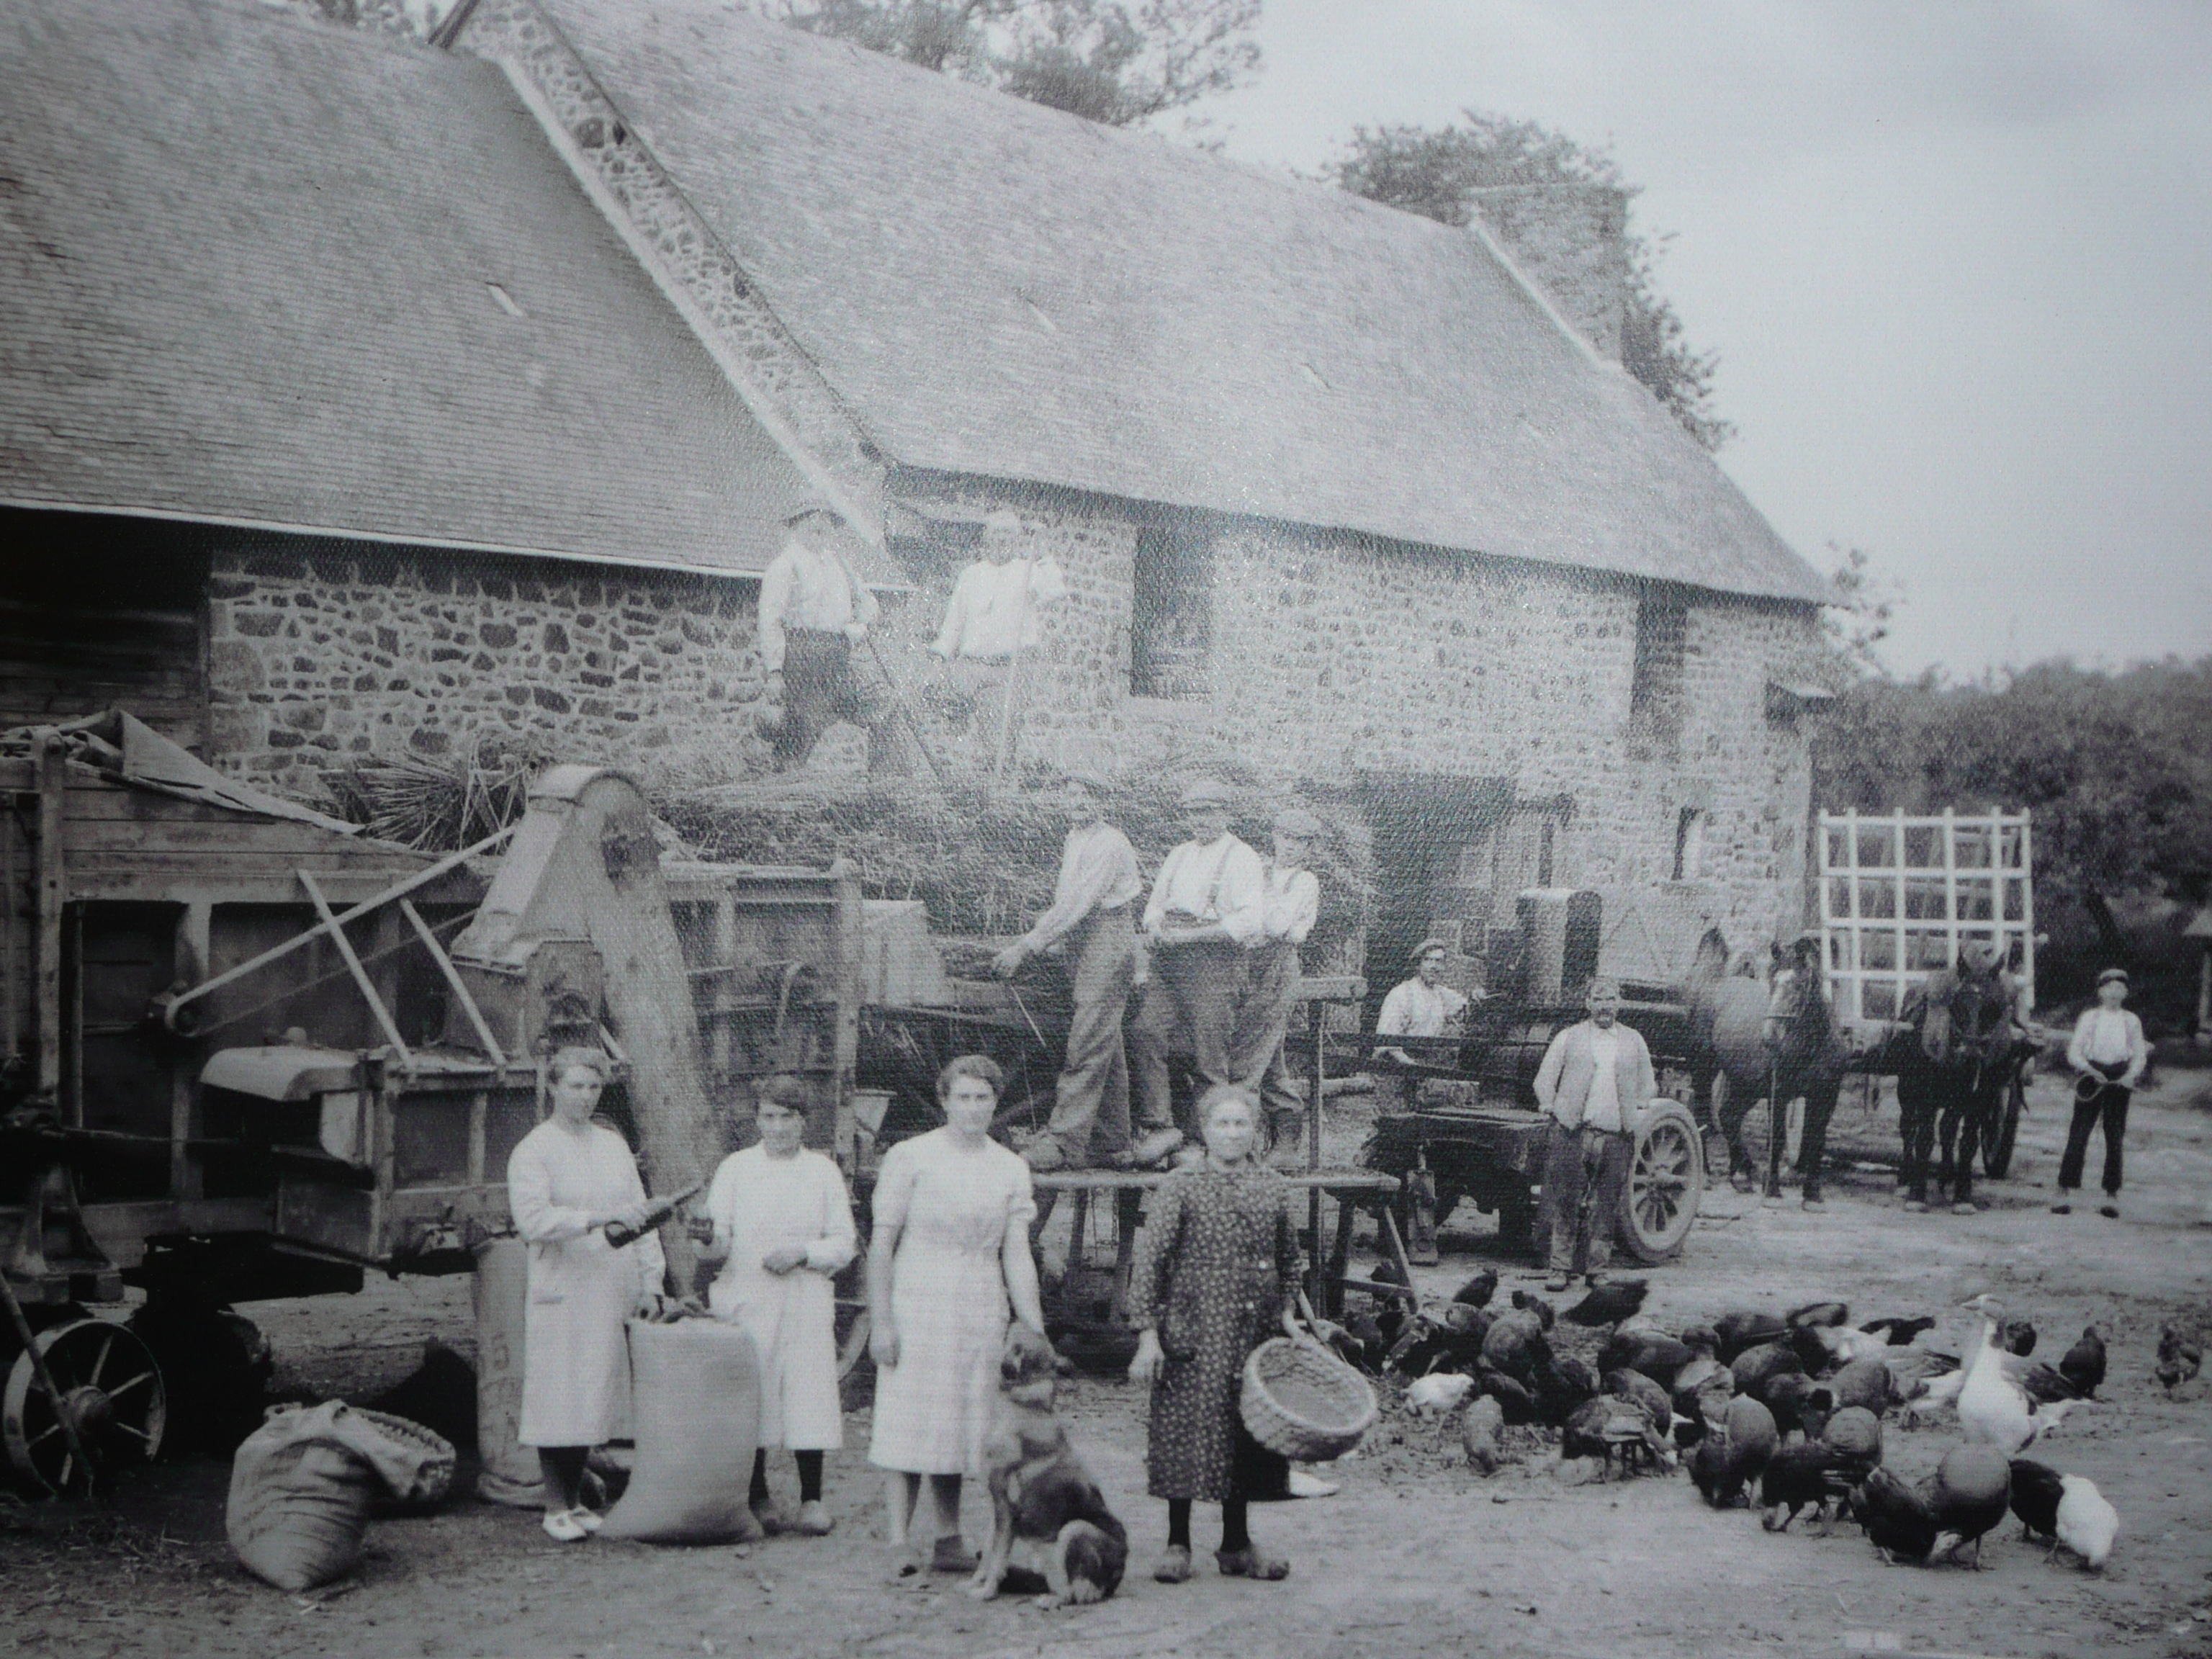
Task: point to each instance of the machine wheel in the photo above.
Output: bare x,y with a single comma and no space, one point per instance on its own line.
110,1389
2001,1129
1666,1180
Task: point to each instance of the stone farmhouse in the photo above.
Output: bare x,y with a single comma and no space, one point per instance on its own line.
368,393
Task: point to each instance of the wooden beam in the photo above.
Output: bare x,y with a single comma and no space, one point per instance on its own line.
330,924
454,983
53,894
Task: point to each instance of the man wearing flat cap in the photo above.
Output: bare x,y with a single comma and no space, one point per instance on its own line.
1091,922
1206,911
1421,1007
814,609
1289,903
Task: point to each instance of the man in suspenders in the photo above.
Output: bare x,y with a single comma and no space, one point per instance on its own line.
1291,903
1206,910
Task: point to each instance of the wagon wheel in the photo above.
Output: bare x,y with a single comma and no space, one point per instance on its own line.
109,1389
1666,1179
2000,1129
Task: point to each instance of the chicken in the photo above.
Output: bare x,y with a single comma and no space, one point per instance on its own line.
1810,1473
1438,1394
1800,1404
1529,1302
2018,1337
1823,1348
1609,1304
2035,1493
1479,1431
1739,1330
1362,1344
1898,1331
2087,1523
1563,1385
1735,1453
1866,1384
1513,1398
1755,1365
1899,1522
1656,1354
1969,1493
2179,1358
1478,1290
1516,1344
2083,1365
1817,1313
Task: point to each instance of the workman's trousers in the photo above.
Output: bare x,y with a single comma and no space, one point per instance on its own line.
1190,1007
818,689
2109,1105
1585,1171
1263,1022
1091,1103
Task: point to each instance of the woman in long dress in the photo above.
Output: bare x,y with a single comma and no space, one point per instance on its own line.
951,1251
567,1181
780,1216
1215,1274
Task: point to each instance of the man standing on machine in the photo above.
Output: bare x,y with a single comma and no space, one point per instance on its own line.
1206,910
1290,906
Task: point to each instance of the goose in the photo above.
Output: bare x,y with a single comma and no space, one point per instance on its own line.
1993,1409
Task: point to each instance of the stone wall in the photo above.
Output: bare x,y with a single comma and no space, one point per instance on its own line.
319,656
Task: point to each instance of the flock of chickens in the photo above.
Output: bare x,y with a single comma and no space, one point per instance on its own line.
1790,1406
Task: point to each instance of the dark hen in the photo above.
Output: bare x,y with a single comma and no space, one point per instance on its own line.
1634,1385
1969,1493
1811,1474
1611,1425
1734,1454
1899,1330
1516,1344
1563,1385
1511,1395
2179,1358
1818,1313
1899,1522
2042,1383
1736,1331
1755,1365
1867,1383
2036,1491
1478,1290
1655,1353
1609,1304
1529,1302
2018,1337
2083,1365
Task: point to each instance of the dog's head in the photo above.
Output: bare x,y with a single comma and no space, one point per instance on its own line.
1027,1362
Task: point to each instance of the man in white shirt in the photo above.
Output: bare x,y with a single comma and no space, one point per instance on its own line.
814,609
1206,911
1594,1078
1421,1007
1091,922
996,614
1290,904
2109,1051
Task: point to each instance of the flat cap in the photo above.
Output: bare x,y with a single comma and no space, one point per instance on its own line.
2111,974
1296,821
1208,791
1426,945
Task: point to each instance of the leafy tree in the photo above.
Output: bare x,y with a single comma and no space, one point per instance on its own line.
1856,618
1432,173
1118,62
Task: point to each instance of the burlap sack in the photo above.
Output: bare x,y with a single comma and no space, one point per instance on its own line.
301,1484
695,1391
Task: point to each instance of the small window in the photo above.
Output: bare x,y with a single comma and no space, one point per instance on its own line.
1690,844
1655,696
1171,617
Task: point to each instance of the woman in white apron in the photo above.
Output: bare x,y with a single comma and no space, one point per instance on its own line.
780,1214
567,1179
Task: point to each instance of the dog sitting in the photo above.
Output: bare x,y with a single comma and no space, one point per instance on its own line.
1050,1528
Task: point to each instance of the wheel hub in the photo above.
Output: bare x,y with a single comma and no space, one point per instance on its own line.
89,1411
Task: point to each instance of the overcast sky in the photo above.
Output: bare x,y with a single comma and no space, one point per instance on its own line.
1956,260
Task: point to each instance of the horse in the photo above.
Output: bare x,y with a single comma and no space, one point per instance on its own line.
1756,1036
1953,1070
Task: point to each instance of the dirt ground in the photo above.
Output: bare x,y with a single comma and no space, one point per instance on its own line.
1414,1555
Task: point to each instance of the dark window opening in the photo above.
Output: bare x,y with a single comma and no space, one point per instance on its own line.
1654,696
1171,617
1690,844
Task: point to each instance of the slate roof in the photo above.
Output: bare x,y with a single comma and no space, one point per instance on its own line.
245,271
1002,289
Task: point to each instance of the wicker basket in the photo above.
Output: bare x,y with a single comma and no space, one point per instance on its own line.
435,1478
1302,1401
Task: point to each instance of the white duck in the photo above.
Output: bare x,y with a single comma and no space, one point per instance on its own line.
1992,1408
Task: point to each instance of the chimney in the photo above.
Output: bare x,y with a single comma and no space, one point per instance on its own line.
1571,242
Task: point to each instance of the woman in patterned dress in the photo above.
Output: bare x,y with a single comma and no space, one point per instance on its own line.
1215,1274
566,1180
950,1250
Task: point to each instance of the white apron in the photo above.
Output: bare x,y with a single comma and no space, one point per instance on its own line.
575,1365
760,1204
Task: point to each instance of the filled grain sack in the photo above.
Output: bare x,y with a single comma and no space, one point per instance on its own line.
301,1484
694,1387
